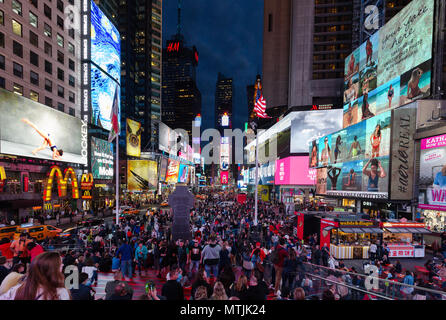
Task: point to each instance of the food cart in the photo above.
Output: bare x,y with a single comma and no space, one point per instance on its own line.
351,239
405,239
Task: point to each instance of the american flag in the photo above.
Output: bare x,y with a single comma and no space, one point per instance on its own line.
114,132
260,106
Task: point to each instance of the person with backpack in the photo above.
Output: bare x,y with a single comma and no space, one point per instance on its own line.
278,257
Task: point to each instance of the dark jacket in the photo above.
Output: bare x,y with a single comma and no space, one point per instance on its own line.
83,293
172,290
203,283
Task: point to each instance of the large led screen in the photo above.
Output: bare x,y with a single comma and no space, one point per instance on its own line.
172,171
167,139
307,126
142,175
432,181
31,129
355,159
102,161
393,67
163,169
294,171
183,173
105,43
103,90
133,138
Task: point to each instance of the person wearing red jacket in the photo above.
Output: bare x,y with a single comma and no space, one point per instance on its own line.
282,253
34,250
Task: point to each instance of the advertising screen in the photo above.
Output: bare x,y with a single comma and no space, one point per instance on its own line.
267,173
103,90
133,138
224,177
432,181
163,169
31,129
294,171
102,160
142,175
105,43
172,171
167,139
183,173
307,126
393,67
355,159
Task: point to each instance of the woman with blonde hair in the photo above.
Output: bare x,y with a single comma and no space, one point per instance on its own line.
219,292
240,288
44,281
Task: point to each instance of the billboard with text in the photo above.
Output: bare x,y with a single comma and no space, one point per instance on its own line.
102,161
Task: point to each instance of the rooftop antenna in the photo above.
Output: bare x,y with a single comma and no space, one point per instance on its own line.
179,17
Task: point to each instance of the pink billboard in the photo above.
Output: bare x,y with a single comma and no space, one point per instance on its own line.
433,142
294,171
224,177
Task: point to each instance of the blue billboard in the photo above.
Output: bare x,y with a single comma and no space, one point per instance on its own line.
183,174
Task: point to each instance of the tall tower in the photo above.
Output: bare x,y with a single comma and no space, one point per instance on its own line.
224,96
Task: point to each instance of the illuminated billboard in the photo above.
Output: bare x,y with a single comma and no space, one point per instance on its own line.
224,153
102,161
183,175
163,169
133,138
31,129
307,126
224,177
142,175
172,171
294,171
105,43
432,181
393,67
167,139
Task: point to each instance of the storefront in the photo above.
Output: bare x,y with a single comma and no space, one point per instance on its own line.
351,239
405,239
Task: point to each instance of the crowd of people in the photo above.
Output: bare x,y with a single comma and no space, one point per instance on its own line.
228,257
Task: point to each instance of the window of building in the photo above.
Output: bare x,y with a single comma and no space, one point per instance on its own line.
17,7
47,30
60,40
71,111
34,96
2,62
16,28
60,57
34,78
17,49
71,64
33,20
60,74
60,22
18,89
33,39
60,107
71,48
2,18
47,11
48,85
71,97
48,49
33,2
71,80
49,102
48,67
60,5
60,91
18,70
2,40
34,58
71,33
2,82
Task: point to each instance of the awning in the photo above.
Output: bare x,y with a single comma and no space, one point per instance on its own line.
373,230
418,230
353,230
328,228
398,230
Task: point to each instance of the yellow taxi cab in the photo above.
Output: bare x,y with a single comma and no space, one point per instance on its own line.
38,232
7,232
164,203
130,211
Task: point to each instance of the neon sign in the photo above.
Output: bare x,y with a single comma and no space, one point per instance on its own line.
2,178
62,181
173,46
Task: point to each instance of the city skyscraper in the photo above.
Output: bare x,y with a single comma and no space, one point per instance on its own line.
224,97
181,101
140,26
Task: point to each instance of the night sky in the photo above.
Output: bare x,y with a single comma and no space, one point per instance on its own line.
229,38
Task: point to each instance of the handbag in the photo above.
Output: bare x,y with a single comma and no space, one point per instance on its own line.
260,267
248,265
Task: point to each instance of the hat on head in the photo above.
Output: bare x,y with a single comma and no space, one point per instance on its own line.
258,244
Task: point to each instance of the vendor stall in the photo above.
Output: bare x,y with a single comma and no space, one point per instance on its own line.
405,239
351,239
